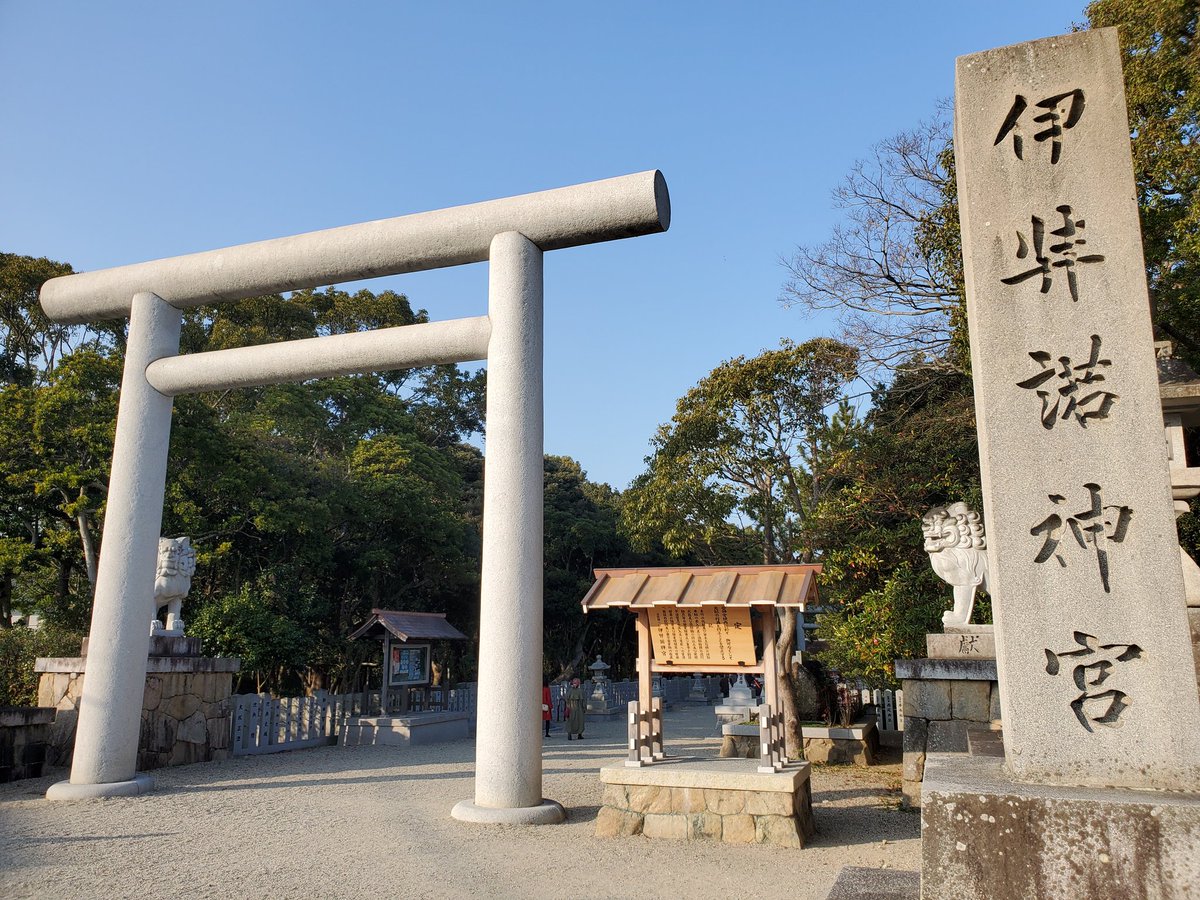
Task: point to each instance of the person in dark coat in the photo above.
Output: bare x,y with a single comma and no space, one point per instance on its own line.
576,705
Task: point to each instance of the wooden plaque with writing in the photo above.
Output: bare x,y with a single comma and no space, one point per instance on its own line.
702,635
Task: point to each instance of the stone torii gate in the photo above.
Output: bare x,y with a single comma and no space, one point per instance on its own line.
511,234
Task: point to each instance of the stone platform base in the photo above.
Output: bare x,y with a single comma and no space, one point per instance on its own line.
707,799
24,732
943,699
732,714
548,812
185,705
136,786
983,835
604,712
418,728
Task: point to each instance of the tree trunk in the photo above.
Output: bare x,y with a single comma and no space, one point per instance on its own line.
89,544
6,592
63,594
785,646
578,657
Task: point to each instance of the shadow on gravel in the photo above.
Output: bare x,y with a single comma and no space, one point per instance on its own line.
882,793
302,779
582,813
59,839
846,826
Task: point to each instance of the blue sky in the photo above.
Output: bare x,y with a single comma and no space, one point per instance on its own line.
133,131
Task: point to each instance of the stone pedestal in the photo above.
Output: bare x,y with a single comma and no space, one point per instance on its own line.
185,703
418,728
962,642
984,835
738,706
708,799
942,699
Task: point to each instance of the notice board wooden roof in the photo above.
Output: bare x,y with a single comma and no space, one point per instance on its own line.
409,626
782,585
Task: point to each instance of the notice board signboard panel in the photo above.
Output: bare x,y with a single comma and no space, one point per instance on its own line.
702,635
408,663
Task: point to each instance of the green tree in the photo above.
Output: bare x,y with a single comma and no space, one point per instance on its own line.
754,439
582,533
1161,59
325,498
56,388
917,449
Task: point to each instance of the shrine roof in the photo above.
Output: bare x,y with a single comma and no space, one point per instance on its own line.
781,585
409,626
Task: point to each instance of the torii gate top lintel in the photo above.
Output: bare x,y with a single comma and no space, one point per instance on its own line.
594,212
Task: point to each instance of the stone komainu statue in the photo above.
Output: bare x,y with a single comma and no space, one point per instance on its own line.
176,565
957,551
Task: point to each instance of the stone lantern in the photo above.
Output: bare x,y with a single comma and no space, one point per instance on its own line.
599,679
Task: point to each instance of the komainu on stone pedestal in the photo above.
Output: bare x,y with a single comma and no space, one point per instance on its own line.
176,566
957,551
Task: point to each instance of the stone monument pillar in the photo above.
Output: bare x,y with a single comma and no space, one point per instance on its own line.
1091,629
1092,644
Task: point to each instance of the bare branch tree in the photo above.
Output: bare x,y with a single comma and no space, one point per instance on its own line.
892,271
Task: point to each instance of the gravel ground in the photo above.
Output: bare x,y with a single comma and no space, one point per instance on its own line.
375,822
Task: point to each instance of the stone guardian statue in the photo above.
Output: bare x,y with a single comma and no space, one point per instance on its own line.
176,566
957,551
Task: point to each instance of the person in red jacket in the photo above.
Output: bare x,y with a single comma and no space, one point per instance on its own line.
546,704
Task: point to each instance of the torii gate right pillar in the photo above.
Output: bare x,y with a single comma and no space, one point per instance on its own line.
508,735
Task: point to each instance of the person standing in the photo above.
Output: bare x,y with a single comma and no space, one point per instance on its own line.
576,705
546,704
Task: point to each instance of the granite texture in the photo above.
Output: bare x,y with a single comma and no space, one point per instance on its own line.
859,883
983,835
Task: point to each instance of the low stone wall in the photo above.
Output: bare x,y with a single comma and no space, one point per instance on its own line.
24,734
708,800
942,699
185,707
857,745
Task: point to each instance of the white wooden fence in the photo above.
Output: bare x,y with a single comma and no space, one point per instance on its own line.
265,724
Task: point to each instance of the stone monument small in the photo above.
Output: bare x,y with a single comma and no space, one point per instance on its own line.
176,566
738,705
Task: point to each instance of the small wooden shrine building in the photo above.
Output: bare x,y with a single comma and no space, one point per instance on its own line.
406,640
698,619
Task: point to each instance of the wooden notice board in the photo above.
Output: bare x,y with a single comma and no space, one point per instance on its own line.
702,635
